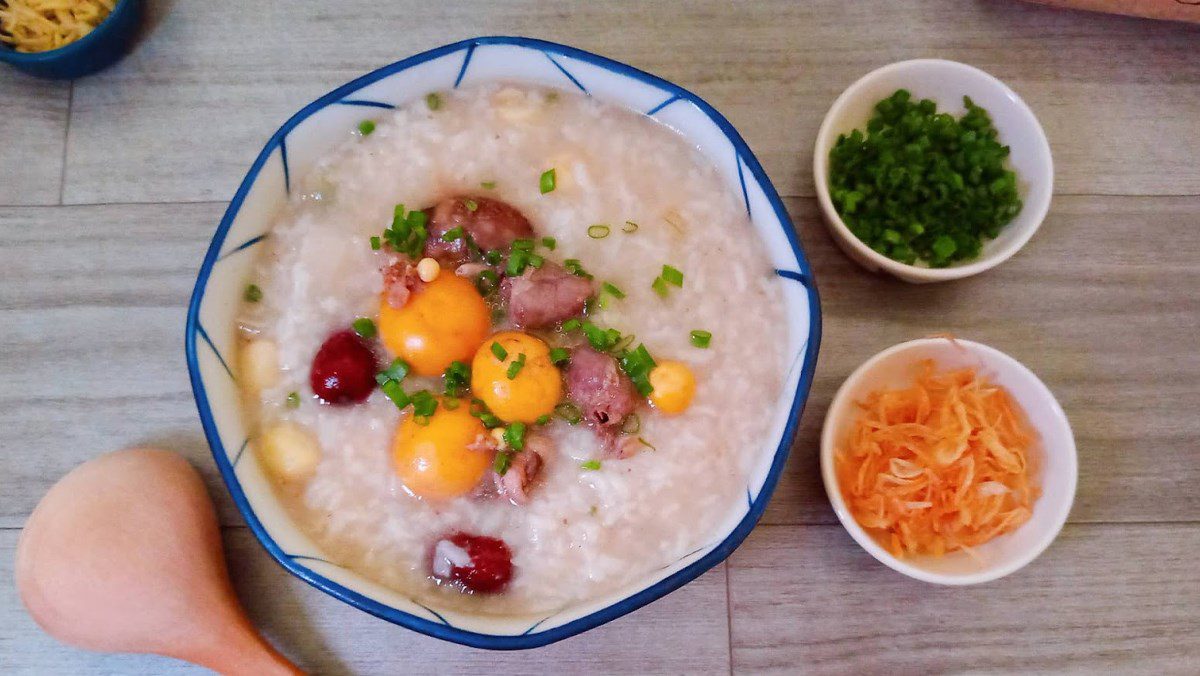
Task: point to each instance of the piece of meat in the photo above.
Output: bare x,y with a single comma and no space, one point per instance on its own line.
400,280
517,482
492,224
545,296
619,446
598,386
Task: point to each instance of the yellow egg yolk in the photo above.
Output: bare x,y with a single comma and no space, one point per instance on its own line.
443,322
674,386
433,459
535,387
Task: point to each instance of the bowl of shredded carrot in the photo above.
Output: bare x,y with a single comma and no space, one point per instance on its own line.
64,39
949,461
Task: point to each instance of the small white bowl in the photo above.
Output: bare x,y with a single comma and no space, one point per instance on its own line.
1058,472
945,82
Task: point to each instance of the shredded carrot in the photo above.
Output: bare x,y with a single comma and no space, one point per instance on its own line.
942,466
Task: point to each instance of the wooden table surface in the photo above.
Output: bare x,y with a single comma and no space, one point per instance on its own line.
111,186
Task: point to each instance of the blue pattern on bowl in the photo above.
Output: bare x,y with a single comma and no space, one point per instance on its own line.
266,187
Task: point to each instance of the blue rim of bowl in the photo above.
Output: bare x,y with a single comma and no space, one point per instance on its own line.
627,604
74,48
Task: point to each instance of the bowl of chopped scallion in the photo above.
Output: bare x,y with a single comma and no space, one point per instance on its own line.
932,170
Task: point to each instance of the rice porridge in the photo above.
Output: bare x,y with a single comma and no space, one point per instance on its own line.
508,349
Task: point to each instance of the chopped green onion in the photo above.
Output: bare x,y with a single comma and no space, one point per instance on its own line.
921,185
550,243
488,185
616,293
623,343
502,462
453,234
632,424
943,247
517,262
637,364
471,205
487,282
672,275
571,325
293,400
515,367
493,257
701,338
364,327
478,409
366,127
397,371
591,465
569,412
598,231
598,338
253,294
573,266
514,436
456,378
473,252
629,226
407,233
523,244
433,100
499,351
392,389
376,243
660,287
547,181
417,218
424,403
559,355
543,419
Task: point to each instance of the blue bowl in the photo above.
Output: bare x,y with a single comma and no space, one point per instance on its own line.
90,53
318,129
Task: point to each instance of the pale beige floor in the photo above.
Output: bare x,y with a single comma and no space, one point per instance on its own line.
111,187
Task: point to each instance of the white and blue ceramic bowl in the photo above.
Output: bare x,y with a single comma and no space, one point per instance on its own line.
316,130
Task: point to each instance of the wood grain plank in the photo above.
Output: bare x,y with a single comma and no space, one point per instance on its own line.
1104,598
687,632
92,304
1117,97
31,149
1103,304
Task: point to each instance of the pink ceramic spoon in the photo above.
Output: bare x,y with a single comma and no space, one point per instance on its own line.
124,555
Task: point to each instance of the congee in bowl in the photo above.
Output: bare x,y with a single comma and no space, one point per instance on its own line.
509,348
